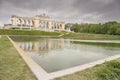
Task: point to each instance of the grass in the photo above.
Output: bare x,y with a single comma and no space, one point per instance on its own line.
107,71
28,32
12,66
86,36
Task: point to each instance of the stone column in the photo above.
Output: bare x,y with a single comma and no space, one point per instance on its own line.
63,26
36,22
45,25
49,25
14,20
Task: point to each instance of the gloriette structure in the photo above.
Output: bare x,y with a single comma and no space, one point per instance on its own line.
39,22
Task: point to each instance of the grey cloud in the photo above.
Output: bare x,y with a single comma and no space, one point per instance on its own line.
68,10
38,4
109,11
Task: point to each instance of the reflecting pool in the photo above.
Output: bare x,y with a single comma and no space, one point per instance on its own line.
58,54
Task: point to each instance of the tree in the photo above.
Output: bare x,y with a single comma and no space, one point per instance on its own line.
118,31
112,28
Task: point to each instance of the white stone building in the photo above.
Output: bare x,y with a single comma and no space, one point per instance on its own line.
39,22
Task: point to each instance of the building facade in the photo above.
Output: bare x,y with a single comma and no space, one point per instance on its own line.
39,22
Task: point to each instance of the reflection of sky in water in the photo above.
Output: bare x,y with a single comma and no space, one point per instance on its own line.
58,54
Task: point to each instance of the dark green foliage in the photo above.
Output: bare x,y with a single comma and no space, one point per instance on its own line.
111,28
110,72
118,31
114,64
76,28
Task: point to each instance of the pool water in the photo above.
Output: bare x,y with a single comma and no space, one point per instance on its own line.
58,54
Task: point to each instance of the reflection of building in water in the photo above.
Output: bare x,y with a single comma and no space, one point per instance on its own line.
42,47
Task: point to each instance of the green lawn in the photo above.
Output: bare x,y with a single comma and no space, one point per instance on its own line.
66,35
107,71
12,66
86,36
28,32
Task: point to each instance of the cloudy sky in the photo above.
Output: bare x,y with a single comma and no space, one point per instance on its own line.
92,11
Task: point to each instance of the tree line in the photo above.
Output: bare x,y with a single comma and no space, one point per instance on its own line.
111,28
